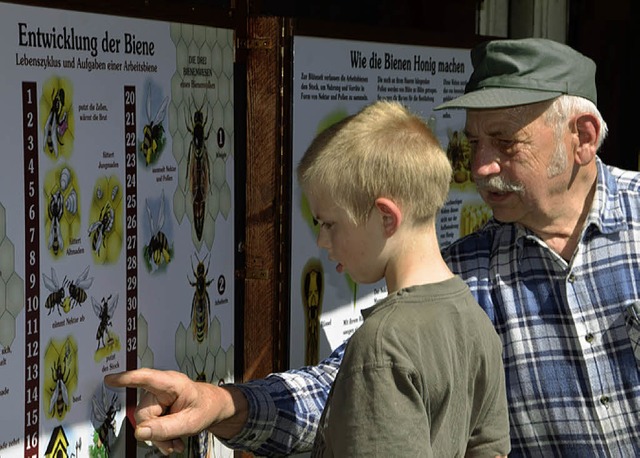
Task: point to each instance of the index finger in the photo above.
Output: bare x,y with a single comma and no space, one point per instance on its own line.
152,380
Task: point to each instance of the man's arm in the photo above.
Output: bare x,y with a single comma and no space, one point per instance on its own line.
284,408
275,415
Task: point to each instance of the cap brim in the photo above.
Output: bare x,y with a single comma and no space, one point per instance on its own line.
498,98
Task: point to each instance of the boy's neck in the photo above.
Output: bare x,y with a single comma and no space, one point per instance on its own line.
417,261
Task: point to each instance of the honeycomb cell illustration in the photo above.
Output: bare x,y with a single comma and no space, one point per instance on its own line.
202,104
145,353
11,286
206,361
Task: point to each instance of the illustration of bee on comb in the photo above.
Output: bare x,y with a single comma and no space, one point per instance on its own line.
153,135
108,341
159,251
198,167
57,118
104,408
61,213
105,228
201,303
61,378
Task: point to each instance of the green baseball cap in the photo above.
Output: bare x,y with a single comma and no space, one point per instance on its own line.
508,73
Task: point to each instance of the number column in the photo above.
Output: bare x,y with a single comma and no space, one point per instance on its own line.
131,235
32,269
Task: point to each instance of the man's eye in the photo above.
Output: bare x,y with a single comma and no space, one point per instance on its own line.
327,225
505,142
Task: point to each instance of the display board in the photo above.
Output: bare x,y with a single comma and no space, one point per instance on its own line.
333,78
116,221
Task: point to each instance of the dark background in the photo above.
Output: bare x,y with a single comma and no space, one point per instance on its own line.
606,31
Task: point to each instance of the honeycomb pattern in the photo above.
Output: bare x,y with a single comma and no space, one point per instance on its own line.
145,353
11,287
207,360
215,98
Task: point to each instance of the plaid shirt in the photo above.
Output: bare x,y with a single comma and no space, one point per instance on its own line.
570,332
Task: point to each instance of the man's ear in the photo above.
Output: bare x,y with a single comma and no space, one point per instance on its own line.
390,214
588,129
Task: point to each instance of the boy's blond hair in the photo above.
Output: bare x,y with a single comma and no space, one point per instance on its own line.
382,151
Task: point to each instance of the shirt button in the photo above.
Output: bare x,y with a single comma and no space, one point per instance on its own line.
604,400
589,338
571,278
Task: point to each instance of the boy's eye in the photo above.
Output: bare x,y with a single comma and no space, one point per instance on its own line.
322,224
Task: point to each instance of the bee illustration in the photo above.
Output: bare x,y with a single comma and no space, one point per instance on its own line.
77,293
56,124
459,154
312,291
55,210
201,304
57,295
198,166
59,403
103,417
104,311
99,230
157,251
153,131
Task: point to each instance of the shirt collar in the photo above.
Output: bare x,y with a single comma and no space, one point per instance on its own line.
606,214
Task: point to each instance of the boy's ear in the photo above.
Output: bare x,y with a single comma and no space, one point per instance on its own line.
390,213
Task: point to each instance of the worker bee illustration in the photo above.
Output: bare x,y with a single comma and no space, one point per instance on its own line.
201,304
459,154
104,409
76,289
59,403
153,138
55,211
312,294
56,124
56,297
157,252
104,311
100,229
198,165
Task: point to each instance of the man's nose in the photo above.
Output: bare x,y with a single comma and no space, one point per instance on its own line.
484,160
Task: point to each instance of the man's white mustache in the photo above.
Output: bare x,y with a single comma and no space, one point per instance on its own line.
498,184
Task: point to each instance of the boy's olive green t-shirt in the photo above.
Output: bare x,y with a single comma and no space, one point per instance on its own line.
423,376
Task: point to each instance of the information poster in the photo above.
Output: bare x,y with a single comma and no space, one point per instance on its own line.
335,78
116,222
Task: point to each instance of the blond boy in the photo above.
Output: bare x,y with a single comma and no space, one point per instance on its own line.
423,375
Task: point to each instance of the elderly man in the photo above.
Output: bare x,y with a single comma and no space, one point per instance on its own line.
557,271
